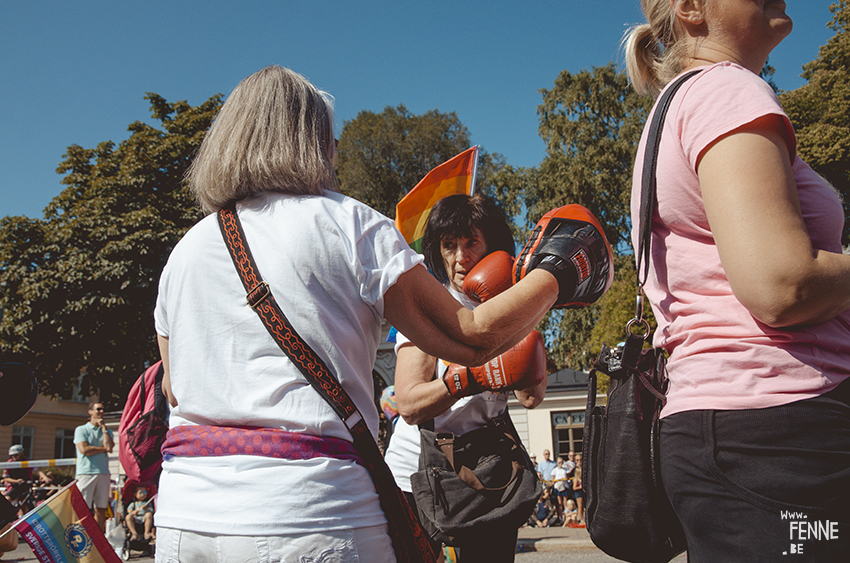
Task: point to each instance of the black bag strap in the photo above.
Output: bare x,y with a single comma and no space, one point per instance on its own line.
409,541
631,353
648,177
142,391
648,187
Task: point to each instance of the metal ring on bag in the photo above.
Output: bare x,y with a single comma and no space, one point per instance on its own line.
635,321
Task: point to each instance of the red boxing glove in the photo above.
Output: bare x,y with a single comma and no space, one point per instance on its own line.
521,367
569,243
491,276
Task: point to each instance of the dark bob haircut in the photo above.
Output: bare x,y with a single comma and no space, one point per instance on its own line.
453,217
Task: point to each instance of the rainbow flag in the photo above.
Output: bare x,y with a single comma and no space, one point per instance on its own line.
455,176
63,530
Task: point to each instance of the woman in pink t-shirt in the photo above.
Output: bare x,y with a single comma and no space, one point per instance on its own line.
751,292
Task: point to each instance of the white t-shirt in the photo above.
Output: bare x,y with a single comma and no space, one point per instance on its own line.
559,473
329,261
465,415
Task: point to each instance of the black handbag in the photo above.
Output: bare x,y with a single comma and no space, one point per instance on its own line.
480,481
628,513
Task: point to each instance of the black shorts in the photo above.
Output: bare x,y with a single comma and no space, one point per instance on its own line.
763,484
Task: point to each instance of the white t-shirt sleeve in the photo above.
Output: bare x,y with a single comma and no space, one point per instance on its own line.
381,256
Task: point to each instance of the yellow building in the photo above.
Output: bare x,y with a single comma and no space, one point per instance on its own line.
47,431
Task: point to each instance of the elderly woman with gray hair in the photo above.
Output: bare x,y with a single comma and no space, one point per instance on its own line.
336,268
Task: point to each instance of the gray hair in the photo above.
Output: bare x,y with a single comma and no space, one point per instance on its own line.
273,134
654,55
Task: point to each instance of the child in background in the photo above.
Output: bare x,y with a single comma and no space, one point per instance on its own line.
570,513
140,511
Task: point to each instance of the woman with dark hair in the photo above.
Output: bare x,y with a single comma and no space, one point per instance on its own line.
461,231
458,216
336,268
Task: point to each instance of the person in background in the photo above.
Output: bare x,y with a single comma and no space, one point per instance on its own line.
545,513
560,486
578,493
15,478
546,467
94,443
570,462
570,513
336,268
751,291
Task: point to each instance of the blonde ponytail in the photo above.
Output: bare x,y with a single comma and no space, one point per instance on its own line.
653,53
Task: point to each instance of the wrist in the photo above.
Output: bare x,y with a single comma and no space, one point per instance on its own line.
564,272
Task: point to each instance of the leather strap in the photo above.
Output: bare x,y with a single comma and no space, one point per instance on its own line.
446,444
648,177
409,541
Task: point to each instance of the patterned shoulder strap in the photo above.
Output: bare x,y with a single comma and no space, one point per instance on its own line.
409,541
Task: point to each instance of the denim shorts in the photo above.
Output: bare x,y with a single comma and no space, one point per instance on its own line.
762,484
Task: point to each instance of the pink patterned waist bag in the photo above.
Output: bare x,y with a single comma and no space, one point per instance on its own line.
206,441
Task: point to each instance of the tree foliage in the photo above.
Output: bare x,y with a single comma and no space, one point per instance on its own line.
591,122
382,156
79,286
820,110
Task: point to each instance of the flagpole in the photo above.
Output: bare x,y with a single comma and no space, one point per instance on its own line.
474,171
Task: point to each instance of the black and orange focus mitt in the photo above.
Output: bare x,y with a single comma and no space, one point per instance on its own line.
569,243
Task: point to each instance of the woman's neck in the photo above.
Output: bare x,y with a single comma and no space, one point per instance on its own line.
707,52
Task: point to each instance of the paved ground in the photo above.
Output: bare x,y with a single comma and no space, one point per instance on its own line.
552,539
530,540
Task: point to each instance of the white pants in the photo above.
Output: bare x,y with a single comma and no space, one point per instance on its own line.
359,545
95,489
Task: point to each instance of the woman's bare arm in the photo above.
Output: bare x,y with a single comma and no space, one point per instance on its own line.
424,311
166,373
419,396
753,208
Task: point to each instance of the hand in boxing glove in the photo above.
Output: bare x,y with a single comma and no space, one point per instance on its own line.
491,276
521,367
569,243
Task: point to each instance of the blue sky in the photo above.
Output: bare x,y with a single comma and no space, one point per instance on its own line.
77,72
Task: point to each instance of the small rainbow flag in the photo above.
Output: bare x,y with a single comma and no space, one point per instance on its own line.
455,176
63,530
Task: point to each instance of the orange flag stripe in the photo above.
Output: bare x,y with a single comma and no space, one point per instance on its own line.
415,224
452,177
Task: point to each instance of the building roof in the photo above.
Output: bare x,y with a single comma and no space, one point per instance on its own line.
567,380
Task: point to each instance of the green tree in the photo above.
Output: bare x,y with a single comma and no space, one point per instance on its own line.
381,156
79,286
591,122
820,109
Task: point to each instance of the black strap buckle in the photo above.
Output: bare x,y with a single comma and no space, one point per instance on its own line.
258,294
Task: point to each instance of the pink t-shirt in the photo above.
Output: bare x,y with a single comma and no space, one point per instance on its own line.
721,357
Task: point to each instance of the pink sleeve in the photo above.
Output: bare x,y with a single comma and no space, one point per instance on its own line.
721,99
